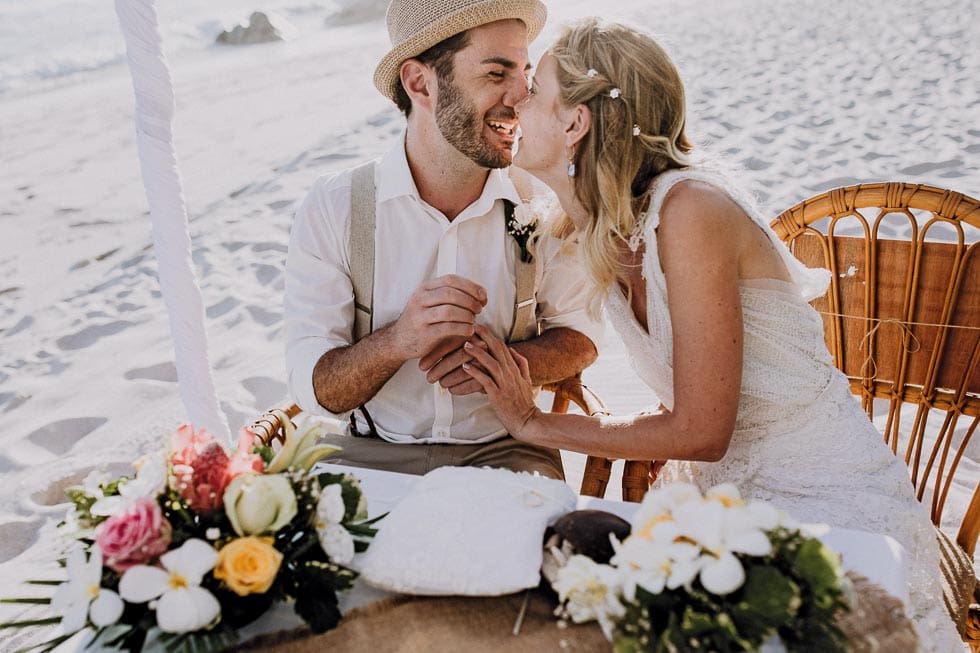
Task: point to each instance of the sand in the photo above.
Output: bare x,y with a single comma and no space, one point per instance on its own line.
801,96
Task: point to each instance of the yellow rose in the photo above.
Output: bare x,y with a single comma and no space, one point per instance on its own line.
248,565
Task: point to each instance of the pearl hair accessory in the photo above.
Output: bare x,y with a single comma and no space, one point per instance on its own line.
615,93
592,72
636,130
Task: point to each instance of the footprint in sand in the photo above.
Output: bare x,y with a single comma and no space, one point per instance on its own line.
91,334
923,168
16,536
160,372
24,322
266,390
7,465
53,494
60,436
266,274
9,401
263,316
221,308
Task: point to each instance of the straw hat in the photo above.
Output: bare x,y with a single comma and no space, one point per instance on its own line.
414,26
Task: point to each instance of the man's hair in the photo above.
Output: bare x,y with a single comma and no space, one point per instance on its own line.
440,57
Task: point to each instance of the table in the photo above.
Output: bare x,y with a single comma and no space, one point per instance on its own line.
877,557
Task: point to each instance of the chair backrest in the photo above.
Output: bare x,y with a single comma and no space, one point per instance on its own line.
902,318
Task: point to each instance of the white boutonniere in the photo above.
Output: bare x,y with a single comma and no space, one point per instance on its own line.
522,223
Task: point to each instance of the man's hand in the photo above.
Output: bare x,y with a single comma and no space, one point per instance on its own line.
444,365
441,309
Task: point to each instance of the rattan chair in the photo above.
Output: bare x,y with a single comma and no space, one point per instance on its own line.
269,428
902,320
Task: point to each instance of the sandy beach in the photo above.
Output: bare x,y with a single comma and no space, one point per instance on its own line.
800,96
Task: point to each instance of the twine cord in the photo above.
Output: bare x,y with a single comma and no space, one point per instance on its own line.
869,364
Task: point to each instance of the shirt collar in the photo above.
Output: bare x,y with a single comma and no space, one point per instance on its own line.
395,180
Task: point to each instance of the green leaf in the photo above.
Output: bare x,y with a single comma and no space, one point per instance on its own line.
320,611
31,622
817,565
49,645
767,601
206,641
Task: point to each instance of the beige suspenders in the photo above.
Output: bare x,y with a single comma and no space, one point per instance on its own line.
362,230
363,207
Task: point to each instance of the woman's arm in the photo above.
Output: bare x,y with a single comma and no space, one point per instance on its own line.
700,235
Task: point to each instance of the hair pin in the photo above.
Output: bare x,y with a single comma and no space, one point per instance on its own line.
636,130
615,93
592,72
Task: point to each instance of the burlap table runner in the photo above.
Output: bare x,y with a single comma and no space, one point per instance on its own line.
409,624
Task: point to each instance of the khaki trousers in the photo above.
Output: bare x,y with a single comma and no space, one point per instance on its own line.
505,453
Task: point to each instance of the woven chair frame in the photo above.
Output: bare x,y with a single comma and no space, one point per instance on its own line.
902,317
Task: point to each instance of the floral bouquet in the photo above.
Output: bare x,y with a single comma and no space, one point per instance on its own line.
708,573
202,541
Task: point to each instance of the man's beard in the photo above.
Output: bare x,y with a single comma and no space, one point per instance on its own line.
462,127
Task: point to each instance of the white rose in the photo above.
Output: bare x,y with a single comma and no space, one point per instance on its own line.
259,503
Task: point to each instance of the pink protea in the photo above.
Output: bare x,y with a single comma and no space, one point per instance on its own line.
202,482
134,536
187,444
243,460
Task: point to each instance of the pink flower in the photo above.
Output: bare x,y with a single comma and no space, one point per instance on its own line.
202,482
243,460
188,444
134,536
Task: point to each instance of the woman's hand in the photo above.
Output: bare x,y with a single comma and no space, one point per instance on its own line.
507,381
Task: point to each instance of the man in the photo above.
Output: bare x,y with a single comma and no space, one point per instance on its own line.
443,261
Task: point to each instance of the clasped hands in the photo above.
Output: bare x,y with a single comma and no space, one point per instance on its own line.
438,320
439,327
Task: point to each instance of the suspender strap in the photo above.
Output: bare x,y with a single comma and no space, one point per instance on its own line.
363,210
525,324
362,227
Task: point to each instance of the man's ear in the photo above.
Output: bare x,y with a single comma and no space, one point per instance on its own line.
578,125
419,82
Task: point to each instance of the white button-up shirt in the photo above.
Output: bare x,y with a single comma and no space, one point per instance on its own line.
414,242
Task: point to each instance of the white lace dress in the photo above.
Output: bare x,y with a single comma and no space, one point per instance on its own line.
801,441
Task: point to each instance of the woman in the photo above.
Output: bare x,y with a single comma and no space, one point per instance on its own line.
711,306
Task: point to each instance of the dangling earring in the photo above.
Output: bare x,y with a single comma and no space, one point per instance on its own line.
571,164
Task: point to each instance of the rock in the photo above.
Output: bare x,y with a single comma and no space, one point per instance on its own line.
260,28
588,532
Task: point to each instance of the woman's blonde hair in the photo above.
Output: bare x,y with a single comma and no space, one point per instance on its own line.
637,102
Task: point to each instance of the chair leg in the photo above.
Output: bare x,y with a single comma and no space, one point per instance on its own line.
596,476
636,479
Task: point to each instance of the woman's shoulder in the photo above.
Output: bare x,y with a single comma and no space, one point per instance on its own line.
696,202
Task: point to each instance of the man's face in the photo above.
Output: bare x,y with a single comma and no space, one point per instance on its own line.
475,107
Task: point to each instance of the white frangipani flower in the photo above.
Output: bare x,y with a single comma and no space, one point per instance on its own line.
658,503
336,540
655,563
183,605
590,591
149,482
82,598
